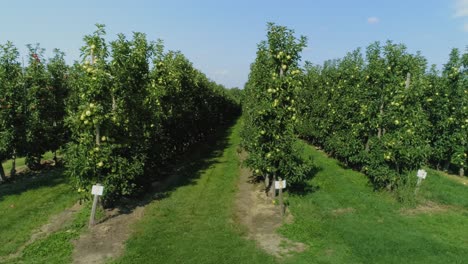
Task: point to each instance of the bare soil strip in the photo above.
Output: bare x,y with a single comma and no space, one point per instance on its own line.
257,212
106,240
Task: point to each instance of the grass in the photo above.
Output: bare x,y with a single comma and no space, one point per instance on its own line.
344,221
56,247
28,203
341,219
21,162
193,224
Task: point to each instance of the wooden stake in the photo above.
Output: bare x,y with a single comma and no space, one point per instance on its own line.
93,211
281,197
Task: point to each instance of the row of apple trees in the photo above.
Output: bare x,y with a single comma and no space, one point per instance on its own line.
123,112
270,109
32,105
134,107
386,113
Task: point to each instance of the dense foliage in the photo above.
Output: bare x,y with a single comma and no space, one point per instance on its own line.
124,111
32,105
385,113
270,109
12,106
133,108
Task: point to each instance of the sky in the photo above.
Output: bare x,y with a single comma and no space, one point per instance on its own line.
221,37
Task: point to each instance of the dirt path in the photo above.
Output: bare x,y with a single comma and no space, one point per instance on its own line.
106,240
261,217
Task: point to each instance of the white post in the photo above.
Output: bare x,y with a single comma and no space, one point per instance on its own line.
421,174
281,197
97,191
93,211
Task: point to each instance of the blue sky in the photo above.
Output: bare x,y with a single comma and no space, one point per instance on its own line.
220,37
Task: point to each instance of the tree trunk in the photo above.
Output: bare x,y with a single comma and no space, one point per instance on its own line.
267,185
2,173
98,135
13,165
408,80
379,131
367,144
461,172
114,104
272,187
55,157
447,165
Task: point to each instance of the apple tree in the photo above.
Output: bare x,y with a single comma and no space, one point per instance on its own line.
270,109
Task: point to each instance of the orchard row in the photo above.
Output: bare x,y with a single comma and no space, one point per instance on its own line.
121,113
384,113
271,112
387,114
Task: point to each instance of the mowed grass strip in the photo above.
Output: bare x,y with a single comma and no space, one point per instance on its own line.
194,223
27,204
20,162
343,220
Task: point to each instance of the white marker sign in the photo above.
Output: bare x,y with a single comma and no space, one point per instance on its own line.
97,190
280,184
422,174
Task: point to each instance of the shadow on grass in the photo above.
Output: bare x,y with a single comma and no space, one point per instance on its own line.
307,187
184,170
31,180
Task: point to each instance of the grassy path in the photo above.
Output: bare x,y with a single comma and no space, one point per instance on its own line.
341,219
344,221
28,204
194,223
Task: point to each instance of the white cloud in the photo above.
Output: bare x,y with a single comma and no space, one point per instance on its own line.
461,8
373,20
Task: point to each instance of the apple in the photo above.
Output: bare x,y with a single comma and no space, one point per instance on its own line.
100,164
88,113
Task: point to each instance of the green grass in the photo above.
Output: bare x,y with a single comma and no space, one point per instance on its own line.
20,162
56,247
193,224
28,203
341,220
345,221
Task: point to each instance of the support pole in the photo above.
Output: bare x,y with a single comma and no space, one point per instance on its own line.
93,211
281,202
